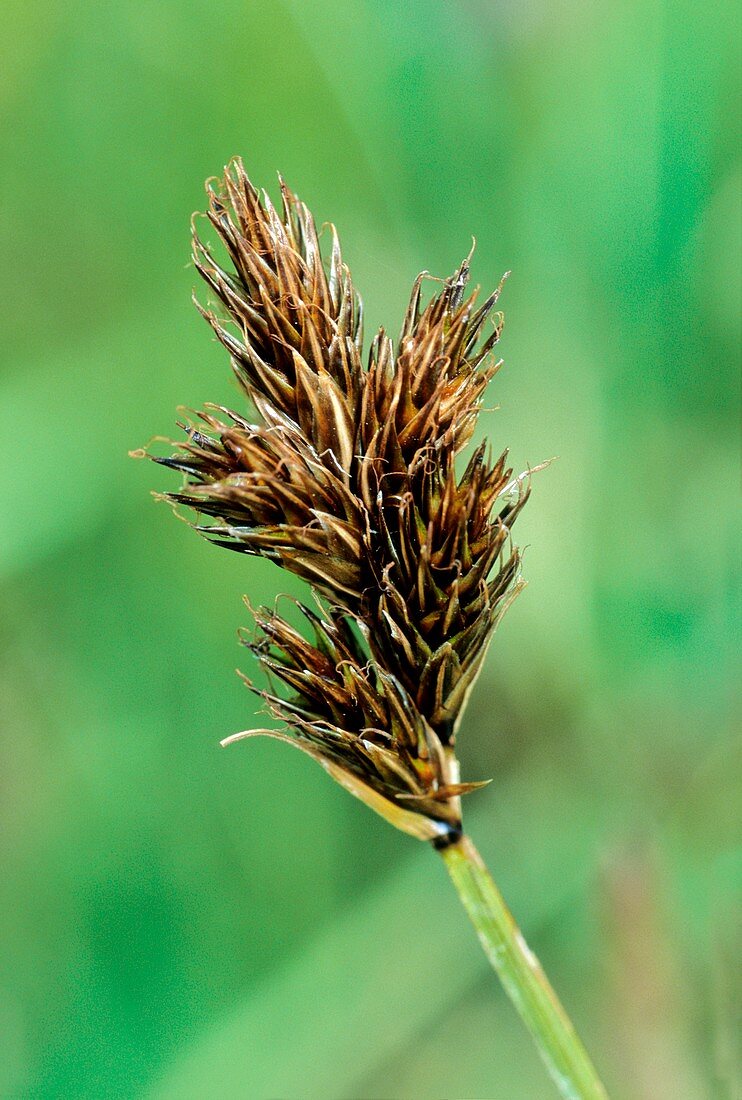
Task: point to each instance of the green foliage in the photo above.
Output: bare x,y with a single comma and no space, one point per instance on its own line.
171,914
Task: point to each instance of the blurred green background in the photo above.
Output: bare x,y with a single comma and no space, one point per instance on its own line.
178,921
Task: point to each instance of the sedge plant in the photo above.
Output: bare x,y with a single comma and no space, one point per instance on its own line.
344,472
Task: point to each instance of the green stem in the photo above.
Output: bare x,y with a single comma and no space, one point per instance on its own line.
520,972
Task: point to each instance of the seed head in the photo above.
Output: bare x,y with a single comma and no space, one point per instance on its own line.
345,474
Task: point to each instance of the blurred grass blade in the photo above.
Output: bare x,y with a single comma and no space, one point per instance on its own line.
320,1025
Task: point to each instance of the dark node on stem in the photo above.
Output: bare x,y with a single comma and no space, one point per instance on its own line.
453,836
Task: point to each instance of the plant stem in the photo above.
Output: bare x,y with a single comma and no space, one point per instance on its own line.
520,972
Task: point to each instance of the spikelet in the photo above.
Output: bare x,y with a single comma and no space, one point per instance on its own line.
347,477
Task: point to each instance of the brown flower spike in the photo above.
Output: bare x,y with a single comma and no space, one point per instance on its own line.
347,477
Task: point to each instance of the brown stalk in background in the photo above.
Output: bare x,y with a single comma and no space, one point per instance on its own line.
347,477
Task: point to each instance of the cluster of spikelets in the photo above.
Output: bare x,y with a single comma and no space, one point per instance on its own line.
346,476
